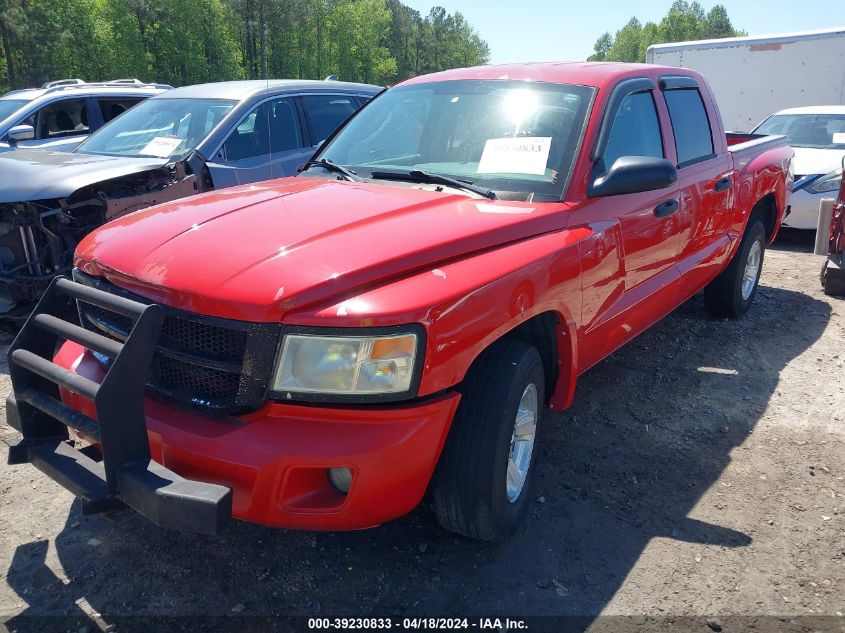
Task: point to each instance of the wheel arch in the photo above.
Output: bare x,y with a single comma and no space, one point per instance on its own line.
553,335
766,208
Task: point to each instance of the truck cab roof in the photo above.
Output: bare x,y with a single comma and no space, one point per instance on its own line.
595,74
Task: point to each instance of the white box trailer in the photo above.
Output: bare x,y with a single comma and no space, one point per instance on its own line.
752,77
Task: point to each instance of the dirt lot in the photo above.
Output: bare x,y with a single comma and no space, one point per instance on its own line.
700,473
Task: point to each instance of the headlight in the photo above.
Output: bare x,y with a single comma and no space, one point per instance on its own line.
828,182
346,365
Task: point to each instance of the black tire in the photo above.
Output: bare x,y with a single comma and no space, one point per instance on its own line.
833,279
723,296
469,490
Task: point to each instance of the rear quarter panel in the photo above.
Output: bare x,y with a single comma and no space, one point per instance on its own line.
762,167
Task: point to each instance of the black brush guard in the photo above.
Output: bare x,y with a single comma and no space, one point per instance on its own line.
126,476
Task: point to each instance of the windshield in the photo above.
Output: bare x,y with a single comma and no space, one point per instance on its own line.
822,131
9,106
515,138
161,128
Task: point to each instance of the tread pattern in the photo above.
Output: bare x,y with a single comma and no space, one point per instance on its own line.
463,496
722,295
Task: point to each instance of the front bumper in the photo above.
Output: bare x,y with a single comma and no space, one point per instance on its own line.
125,476
805,209
275,460
269,467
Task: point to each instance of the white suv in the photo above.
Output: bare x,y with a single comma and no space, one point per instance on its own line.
62,113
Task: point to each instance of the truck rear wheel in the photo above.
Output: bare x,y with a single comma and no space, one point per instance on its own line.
480,487
732,292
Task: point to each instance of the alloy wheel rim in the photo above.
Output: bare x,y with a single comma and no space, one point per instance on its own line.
752,269
522,442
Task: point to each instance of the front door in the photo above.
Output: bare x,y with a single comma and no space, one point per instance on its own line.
59,125
619,306
267,143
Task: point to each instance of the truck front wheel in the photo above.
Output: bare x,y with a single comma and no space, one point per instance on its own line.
732,292
480,487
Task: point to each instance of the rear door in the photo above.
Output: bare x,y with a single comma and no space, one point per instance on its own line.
112,107
268,142
324,113
705,179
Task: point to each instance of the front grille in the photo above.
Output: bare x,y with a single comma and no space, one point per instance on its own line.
200,362
207,383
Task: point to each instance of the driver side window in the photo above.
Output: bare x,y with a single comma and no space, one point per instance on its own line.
270,128
635,131
68,117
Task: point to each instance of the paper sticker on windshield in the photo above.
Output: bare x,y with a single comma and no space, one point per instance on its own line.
161,146
839,138
522,155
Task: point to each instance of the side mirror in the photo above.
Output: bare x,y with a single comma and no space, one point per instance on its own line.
20,133
633,174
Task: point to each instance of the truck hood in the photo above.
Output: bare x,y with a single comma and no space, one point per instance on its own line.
810,160
28,174
258,251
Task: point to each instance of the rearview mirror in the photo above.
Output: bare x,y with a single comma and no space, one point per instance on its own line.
633,174
20,133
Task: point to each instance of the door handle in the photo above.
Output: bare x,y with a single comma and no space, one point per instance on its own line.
666,208
723,184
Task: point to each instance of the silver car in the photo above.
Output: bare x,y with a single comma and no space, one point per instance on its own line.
62,113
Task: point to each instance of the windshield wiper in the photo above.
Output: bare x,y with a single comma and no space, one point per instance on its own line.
417,175
325,163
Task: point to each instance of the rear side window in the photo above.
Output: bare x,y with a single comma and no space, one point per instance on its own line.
113,108
693,139
635,131
326,112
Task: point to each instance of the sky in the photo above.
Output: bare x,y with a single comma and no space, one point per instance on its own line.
559,30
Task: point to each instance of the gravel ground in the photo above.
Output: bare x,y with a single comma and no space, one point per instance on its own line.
697,482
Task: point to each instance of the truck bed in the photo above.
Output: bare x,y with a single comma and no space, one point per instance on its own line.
745,147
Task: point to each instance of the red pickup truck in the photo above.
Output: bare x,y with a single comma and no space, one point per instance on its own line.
319,352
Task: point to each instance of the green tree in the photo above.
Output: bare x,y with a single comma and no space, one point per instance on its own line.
602,48
120,48
650,35
717,24
626,44
684,21
190,41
